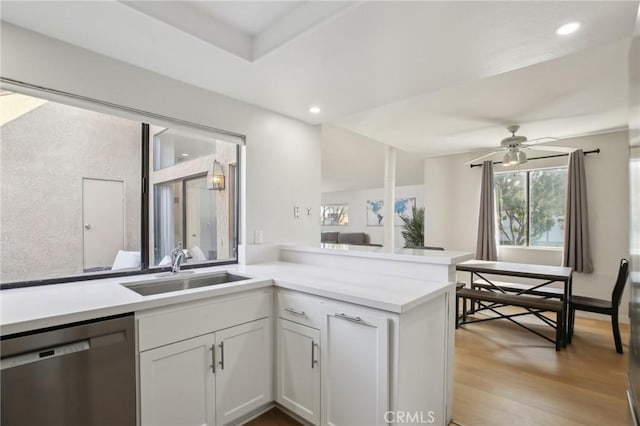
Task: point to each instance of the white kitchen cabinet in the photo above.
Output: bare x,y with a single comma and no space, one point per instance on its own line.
188,377
373,364
243,370
298,369
355,368
352,374
177,384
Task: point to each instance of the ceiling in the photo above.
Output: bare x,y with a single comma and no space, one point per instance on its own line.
250,17
427,77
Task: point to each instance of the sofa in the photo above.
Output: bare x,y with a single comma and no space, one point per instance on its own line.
354,238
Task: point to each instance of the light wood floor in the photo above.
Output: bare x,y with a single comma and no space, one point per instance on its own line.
508,376
273,417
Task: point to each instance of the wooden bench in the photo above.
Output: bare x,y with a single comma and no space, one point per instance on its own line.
544,291
497,299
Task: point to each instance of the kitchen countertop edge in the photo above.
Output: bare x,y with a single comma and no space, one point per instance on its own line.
277,274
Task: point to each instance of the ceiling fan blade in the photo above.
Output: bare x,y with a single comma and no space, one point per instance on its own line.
481,157
551,148
541,140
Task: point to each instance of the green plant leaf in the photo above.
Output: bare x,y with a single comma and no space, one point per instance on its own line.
413,228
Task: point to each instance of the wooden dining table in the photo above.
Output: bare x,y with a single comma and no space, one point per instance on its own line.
544,276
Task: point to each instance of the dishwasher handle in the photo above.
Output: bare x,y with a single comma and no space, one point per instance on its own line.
44,354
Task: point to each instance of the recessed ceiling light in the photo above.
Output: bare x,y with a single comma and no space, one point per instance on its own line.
314,110
569,28
184,154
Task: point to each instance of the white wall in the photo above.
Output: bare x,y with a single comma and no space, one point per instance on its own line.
357,201
282,154
46,153
452,196
351,161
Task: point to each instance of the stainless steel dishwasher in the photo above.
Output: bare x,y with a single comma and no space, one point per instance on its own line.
80,374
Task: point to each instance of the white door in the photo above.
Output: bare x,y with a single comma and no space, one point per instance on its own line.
102,221
355,369
243,371
177,384
298,369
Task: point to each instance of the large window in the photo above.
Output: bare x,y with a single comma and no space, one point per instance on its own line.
71,195
531,207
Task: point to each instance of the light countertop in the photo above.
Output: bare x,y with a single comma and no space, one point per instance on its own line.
439,257
31,308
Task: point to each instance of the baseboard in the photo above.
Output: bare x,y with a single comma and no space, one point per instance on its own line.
292,414
266,407
255,413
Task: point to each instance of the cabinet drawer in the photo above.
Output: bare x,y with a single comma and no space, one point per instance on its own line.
161,326
301,308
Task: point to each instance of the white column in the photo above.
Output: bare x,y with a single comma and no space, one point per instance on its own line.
389,196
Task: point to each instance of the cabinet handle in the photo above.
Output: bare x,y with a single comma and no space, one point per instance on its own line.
221,355
213,358
348,317
295,311
314,361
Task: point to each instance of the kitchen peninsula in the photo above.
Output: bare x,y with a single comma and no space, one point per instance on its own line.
335,335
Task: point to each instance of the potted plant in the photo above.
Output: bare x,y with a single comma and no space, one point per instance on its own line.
413,228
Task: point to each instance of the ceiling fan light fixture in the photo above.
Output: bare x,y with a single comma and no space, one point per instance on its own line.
509,159
513,157
514,147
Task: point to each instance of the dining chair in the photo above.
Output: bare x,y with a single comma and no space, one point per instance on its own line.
602,306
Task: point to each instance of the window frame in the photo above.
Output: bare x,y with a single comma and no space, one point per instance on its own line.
528,245
143,117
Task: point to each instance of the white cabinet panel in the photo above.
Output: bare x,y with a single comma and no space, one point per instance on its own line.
162,326
177,384
243,371
355,369
298,369
301,308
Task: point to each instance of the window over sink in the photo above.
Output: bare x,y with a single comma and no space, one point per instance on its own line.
73,201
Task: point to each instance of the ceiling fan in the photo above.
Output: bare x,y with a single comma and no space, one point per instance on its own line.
515,146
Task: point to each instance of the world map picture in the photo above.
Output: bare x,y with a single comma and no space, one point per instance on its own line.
375,211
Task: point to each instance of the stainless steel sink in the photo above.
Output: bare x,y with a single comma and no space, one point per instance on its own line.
177,283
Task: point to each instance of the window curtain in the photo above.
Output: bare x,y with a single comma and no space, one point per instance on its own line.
577,251
486,248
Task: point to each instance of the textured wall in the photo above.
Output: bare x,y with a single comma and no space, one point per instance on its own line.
45,154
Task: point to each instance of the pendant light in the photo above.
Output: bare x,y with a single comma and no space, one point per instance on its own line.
215,177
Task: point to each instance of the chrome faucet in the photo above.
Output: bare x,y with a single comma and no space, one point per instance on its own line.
178,255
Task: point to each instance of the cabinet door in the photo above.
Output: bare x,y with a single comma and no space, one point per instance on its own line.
243,371
355,369
298,369
177,384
